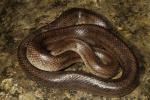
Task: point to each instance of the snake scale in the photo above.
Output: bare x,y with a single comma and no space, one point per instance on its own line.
79,35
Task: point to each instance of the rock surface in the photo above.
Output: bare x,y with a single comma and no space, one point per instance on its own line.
18,18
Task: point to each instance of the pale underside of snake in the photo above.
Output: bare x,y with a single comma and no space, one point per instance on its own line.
79,35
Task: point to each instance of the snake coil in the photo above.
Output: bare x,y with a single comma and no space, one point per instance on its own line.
79,35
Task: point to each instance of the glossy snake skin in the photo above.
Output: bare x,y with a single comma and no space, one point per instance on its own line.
79,35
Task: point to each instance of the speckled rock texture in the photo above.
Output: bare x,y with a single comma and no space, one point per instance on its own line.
131,18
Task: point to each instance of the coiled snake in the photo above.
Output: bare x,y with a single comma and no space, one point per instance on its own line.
79,35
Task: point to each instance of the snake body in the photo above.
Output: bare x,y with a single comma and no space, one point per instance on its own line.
79,35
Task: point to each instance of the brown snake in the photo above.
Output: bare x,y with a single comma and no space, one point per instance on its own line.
79,35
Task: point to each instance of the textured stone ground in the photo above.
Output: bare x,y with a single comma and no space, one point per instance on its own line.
18,18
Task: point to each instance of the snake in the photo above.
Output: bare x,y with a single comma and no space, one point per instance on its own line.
79,35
